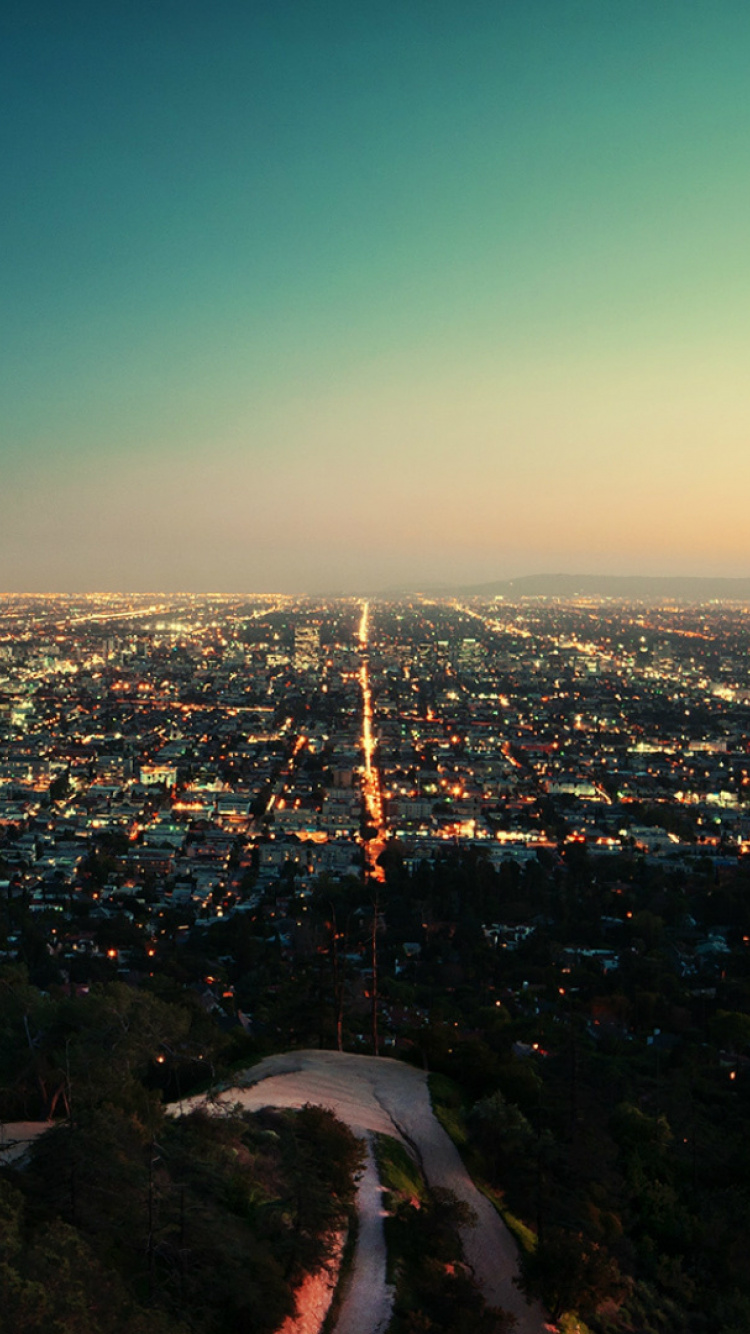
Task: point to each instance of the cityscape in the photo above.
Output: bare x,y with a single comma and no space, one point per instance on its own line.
508,842
313,735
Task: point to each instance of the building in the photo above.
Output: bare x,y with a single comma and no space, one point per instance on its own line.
306,648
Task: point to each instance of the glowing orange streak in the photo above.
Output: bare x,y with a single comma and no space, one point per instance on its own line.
371,784
364,625
368,745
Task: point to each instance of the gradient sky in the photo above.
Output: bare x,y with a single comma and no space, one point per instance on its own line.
302,295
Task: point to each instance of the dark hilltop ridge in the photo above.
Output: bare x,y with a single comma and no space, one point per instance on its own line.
640,587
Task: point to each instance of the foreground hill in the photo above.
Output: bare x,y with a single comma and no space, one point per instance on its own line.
126,1222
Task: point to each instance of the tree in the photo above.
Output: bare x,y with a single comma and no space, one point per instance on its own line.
568,1272
500,1128
337,969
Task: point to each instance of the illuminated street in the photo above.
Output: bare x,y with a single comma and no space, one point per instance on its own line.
371,778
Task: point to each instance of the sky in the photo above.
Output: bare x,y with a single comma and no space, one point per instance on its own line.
319,296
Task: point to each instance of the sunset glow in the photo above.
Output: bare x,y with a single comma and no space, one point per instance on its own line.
352,298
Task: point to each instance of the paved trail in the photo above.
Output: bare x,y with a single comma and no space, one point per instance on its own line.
378,1094
366,1288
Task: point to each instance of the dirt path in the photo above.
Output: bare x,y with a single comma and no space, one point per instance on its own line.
378,1094
17,1136
366,1288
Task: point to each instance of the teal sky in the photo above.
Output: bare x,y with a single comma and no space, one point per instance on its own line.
302,295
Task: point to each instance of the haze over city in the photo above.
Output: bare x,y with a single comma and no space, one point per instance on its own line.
342,297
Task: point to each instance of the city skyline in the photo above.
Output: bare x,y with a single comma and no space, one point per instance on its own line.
314,300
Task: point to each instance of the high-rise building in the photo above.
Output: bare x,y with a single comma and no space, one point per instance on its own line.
470,655
306,648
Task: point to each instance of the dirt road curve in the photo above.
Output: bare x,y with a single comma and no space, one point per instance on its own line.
379,1094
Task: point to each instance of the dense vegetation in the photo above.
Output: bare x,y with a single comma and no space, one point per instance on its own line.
128,1219
606,1110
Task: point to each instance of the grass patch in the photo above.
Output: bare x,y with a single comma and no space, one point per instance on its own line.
397,1170
525,1236
402,1183
448,1106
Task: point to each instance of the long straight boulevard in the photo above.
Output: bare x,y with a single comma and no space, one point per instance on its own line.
371,790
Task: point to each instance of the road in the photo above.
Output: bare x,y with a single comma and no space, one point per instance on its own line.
379,1094
371,778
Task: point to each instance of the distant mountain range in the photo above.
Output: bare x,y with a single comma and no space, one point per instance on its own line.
637,587
627,587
